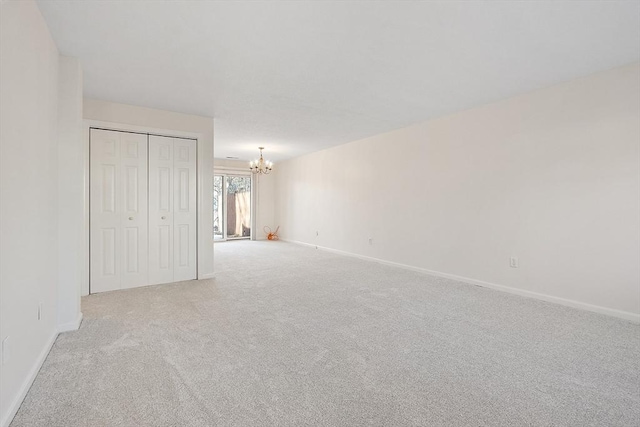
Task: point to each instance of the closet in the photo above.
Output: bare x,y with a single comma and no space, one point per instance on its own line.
142,210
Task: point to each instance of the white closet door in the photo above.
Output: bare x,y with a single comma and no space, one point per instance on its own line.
172,209
104,218
160,209
118,195
184,209
133,156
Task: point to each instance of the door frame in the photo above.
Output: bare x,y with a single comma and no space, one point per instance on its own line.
200,199
237,172
226,171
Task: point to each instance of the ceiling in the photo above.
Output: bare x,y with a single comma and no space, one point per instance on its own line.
297,77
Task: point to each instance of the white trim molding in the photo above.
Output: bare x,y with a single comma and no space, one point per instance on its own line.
632,317
26,385
33,373
71,326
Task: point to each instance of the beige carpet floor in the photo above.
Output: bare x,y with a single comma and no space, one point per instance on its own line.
292,336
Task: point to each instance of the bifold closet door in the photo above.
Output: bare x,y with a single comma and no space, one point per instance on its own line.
118,210
172,209
184,211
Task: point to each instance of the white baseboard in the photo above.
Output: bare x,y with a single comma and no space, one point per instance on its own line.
207,276
71,326
635,318
33,373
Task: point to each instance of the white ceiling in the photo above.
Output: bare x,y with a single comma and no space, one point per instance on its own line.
301,76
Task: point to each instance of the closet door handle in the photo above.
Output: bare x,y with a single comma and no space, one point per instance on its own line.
130,218
164,217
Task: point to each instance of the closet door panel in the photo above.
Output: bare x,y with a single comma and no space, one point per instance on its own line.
184,213
133,154
118,210
160,210
104,216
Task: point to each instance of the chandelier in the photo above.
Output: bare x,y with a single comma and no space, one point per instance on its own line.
261,166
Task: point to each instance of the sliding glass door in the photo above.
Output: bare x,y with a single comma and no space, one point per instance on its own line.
231,207
238,209
218,208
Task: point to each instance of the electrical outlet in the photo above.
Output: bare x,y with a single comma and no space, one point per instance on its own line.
513,262
370,240
6,353
39,311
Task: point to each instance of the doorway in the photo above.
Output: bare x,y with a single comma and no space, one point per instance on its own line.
232,210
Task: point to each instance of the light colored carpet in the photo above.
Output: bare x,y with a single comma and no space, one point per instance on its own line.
293,336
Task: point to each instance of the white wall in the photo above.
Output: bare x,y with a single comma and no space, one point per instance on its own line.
130,117
70,193
265,197
28,197
265,216
550,177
